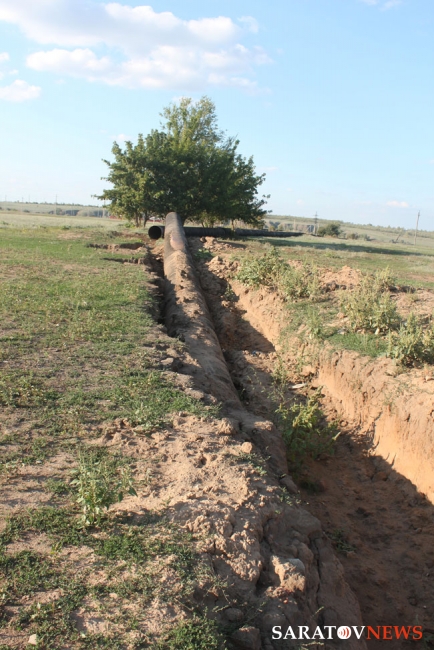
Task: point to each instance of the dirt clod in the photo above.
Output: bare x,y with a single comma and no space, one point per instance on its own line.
247,638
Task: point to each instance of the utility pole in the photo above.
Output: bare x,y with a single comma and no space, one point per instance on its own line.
316,223
417,225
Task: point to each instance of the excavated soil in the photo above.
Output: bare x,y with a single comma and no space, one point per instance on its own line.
370,499
279,567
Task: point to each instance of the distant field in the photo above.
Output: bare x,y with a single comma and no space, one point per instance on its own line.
365,231
31,220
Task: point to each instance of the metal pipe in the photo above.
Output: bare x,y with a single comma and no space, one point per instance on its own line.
244,232
157,232
187,316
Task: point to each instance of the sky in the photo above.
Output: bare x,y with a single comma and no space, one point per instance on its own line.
333,98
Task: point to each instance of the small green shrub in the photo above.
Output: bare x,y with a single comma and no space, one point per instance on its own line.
202,254
261,271
330,230
383,280
315,324
101,480
271,271
369,306
304,431
412,343
340,541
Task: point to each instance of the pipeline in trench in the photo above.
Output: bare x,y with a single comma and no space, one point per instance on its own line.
381,526
271,531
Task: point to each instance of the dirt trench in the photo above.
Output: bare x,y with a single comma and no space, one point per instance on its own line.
381,526
278,566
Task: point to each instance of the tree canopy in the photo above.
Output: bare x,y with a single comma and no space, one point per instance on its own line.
188,166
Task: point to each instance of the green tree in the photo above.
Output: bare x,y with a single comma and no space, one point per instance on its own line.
189,166
330,230
131,196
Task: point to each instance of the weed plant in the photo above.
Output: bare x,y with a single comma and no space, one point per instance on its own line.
202,254
271,271
315,325
304,429
412,343
255,460
369,306
101,480
340,541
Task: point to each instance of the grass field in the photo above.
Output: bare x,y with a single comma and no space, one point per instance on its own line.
408,273
24,220
79,350
409,264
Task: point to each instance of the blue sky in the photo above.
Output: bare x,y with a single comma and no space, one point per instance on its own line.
333,98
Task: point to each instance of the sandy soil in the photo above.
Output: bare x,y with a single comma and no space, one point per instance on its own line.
380,523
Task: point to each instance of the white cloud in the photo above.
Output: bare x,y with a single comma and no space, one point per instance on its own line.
390,4
268,170
250,23
121,137
397,204
142,48
384,6
81,62
300,202
19,91
4,56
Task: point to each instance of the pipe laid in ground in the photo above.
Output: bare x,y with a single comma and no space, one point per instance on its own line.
188,317
280,536
157,232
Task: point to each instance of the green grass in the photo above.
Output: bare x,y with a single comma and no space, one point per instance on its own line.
130,558
76,341
367,344
196,634
79,351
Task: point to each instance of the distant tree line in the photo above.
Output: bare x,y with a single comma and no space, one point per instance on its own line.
189,166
